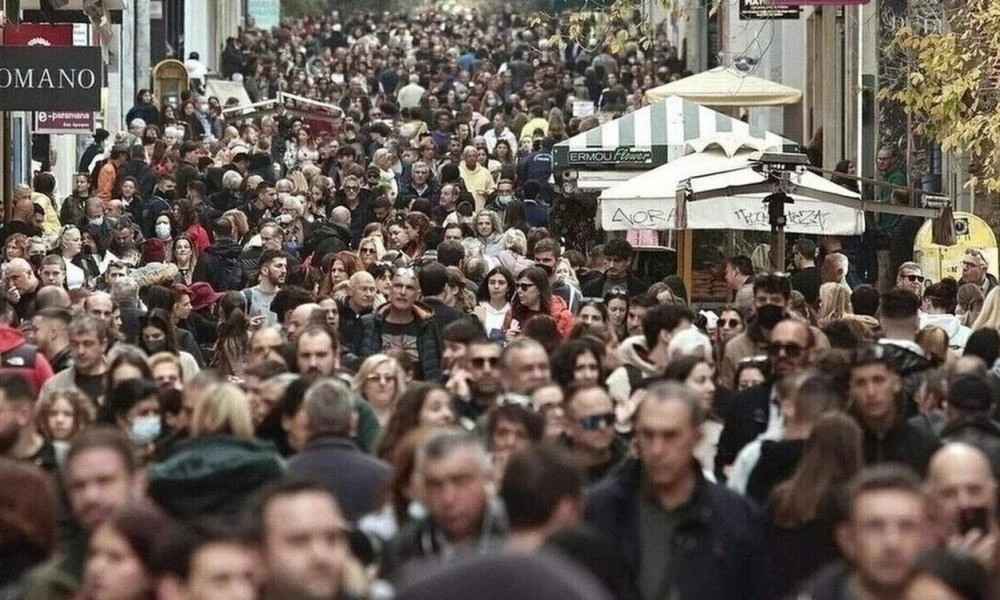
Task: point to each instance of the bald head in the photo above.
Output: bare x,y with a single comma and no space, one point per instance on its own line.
341,215
303,315
52,296
961,477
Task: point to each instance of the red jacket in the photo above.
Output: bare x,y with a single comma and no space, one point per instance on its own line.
21,358
558,310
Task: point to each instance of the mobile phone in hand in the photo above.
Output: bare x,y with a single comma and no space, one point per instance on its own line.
974,517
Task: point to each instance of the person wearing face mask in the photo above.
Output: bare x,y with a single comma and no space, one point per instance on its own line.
771,293
134,406
157,333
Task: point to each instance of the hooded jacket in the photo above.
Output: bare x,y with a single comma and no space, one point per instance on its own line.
635,357
212,475
428,341
219,265
21,358
958,334
324,239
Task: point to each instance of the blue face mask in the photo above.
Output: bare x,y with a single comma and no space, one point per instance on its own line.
145,430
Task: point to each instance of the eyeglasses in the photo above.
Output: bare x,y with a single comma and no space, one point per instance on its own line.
511,399
615,293
478,362
524,287
367,251
352,188
730,323
789,349
756,361
593,422
914,278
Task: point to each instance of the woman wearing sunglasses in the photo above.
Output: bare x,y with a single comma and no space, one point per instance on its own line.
380,380
369,250
730,324
533,296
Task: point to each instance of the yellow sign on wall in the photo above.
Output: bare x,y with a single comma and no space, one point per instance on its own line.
939,261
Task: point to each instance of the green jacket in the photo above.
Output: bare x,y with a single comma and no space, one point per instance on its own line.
887,223
212,475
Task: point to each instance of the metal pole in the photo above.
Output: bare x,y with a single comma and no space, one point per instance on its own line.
7,176
142,51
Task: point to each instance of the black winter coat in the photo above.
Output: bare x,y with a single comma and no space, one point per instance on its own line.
219,265
719,546
356,479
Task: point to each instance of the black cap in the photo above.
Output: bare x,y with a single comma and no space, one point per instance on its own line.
874,353
972,392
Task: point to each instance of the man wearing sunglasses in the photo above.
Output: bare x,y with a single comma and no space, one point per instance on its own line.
590,431
975,270
756,410
910,277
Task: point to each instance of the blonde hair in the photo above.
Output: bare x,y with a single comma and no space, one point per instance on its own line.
299,183
934,342
834,298
224,410
239,221
372,363
164,357
989,316
375,240
970,296
570,276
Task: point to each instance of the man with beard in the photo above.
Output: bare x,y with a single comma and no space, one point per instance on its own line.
618,253
273,271
52,337
317,354
19,439
102,476
771,293
476,387
755,410
303,539
262,207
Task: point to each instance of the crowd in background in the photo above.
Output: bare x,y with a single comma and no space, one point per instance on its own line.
370,353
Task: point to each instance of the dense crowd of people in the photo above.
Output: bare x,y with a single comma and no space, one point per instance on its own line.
356,355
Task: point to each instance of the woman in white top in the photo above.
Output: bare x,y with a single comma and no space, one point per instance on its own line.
80,268
494,301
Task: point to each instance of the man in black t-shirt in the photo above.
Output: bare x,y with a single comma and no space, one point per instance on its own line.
88,336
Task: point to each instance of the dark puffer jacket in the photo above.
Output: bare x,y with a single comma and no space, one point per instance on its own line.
212,475
220,266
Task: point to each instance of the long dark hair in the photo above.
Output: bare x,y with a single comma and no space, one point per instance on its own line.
405,418
832,456
161,320
540,278
233,333
483,294
564,361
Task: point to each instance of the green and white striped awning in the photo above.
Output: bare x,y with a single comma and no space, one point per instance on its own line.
654,135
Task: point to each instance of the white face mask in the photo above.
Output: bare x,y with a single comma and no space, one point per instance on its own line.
284,218
145,430
162,230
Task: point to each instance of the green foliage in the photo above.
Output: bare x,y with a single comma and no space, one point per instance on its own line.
951,89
